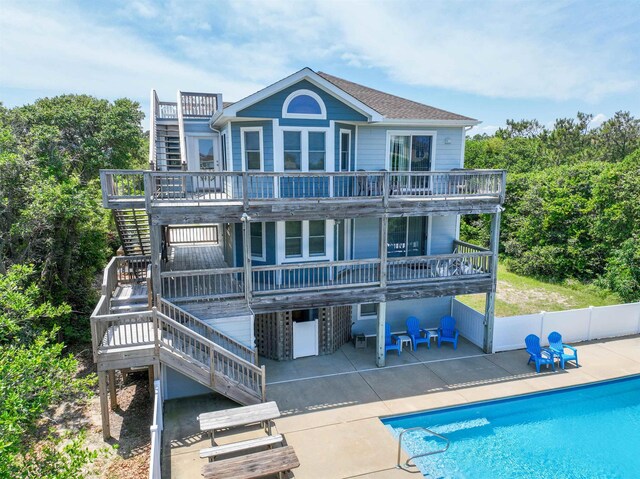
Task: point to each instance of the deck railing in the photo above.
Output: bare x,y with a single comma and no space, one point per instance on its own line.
323,276
198,105
219,283
187,319
192,234
156,428
208,188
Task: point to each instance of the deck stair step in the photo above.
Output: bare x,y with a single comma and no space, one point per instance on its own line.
168,156
133,229
129,308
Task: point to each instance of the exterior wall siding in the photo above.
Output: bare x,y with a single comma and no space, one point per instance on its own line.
372,146
443,232
267,143
197,126
427,310
366,234
271,107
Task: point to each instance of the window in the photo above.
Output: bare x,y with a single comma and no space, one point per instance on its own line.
256,231
316,151
410,152
293,239
292,151
304,149
304,104
406,236
205,154
305,240
224,151
368,311
252,149
317,235
345,149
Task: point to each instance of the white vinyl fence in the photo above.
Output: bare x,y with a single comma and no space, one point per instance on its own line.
469,322
156,433
575,325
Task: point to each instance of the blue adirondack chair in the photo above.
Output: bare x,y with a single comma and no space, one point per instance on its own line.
414,331
563,351
538,354
447,331
391,341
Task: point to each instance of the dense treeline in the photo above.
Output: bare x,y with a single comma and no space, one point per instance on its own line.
573,199
54,240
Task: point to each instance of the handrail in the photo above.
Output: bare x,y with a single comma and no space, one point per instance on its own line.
211,333
407,463
209,187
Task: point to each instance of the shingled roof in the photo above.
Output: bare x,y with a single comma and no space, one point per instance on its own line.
392,106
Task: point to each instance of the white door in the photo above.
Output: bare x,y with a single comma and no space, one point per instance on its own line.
305,338
204,156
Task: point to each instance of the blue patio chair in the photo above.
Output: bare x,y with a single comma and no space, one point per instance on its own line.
538,354
447,331
391,341
414,331
561,350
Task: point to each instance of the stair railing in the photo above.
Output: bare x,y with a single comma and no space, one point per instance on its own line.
216,336
182,340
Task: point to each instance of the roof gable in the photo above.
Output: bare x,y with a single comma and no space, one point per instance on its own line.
304,74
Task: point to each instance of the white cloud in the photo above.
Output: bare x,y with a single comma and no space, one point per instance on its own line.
499,50
60,51
597,120
483,129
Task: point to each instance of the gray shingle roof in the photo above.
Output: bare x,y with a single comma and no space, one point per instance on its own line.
392,106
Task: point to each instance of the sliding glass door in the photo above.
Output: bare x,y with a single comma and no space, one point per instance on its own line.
410,153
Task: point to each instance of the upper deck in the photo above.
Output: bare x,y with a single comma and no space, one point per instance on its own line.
185,196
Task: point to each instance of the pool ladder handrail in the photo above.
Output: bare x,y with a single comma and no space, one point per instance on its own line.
407,463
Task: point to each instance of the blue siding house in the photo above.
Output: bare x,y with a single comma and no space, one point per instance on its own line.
286,223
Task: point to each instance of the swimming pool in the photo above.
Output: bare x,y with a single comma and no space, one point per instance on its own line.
590,431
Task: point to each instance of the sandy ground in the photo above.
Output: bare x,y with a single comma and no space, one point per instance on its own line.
127,454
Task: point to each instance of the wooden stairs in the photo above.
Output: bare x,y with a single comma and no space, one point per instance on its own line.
133,229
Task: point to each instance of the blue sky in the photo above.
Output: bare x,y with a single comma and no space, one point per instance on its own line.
489,60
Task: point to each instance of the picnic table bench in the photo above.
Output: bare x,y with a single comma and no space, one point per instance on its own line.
262,413
259,464
212,452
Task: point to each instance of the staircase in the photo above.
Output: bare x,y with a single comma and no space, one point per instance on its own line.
133,229
166,152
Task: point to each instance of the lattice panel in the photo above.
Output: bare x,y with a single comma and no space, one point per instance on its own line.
266,333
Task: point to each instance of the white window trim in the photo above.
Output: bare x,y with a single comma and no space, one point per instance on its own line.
191,142
329,142
368,316
432,133
406,236
309,116
242,151
342,132
328,250
264,243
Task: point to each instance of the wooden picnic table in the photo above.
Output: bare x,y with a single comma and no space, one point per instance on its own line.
251,466
241,416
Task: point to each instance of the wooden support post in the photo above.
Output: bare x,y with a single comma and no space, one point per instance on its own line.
104,404
382,319
246,247
151,379
156,258
113,396
489,313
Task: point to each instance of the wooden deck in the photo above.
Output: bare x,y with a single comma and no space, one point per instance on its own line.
195,257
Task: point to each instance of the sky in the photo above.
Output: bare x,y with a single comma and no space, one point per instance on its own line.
492,60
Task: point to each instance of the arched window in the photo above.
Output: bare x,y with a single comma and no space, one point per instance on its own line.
304,104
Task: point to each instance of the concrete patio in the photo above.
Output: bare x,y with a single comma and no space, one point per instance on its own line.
331,404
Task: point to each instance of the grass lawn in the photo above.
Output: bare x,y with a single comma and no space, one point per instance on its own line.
521,295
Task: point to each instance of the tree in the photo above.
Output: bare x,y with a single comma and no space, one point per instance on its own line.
619,136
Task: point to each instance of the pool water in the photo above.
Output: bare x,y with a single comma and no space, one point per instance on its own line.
588,431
